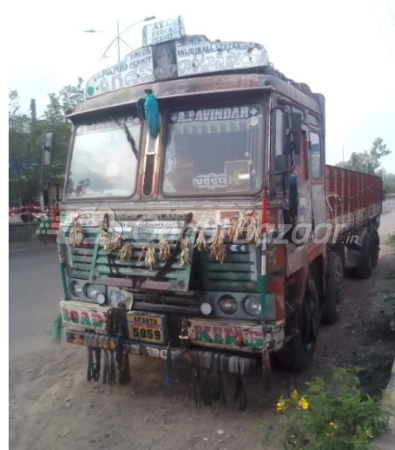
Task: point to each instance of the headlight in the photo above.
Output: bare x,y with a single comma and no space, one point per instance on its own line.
101,299
76,289
228,304
91,290
252,305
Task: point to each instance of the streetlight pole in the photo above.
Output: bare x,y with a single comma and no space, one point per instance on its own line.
118,36
118,42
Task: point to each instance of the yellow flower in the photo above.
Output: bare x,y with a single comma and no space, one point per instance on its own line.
303,403
281,405
294,395
333,425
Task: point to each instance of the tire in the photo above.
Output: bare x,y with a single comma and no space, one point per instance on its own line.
297,354
349,272
375,249
334,290
364,270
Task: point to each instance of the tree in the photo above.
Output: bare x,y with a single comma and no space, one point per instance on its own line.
23,164
378,150
367,161
26,138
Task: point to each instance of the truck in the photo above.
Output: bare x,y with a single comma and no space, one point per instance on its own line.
199,221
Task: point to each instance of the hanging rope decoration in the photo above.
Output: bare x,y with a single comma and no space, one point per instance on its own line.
56,328
238,228
164,250
110,243
125,253
200,241
185,256
254,230
149,110
217,248
76,235
148,253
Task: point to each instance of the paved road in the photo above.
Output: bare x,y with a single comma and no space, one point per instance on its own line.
35,290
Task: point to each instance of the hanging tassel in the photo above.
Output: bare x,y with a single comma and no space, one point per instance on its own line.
217,248
113,378
185,257
105,240
200,241
238,228
232,231
254,230
97,366
151,110
164,250
124,373
169,372
76,235
89,374
125,253
106,367
118,348
148,253
140,108
56,328
293,195
110,243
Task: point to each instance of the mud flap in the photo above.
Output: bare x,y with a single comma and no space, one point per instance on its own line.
209,380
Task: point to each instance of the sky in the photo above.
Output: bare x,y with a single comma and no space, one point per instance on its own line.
344,49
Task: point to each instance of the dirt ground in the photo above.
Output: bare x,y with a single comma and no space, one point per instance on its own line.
52,406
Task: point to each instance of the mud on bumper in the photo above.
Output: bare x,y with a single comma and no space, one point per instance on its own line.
201,358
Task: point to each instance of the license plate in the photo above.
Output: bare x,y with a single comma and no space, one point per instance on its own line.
147,328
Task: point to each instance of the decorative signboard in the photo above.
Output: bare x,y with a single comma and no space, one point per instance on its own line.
165,30
171,56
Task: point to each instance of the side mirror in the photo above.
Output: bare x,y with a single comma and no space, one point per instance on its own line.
48,148
292,132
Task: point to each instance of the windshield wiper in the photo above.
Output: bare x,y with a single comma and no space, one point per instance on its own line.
129,137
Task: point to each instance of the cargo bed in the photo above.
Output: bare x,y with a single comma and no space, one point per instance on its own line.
352,198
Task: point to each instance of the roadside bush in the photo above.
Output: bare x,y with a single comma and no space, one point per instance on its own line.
334,417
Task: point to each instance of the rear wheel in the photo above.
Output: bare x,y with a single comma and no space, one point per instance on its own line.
298,352
334,290
375,249
364,269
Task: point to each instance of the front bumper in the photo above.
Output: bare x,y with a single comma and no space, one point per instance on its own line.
202,358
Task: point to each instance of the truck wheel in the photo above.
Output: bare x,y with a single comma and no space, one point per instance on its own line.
334,291
375,249
364,270
297,354
349,272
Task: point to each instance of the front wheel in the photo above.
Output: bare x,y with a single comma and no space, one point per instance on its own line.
297,354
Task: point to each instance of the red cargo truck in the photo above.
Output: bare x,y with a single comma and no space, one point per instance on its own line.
198,210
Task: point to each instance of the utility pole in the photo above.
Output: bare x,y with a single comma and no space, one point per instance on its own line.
118,39
343,156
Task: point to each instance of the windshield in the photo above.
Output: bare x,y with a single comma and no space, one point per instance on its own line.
214,151
104,159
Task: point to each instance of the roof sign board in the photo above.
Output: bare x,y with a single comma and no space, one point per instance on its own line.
165,30
176,58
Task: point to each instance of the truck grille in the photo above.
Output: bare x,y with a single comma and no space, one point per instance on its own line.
91,262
